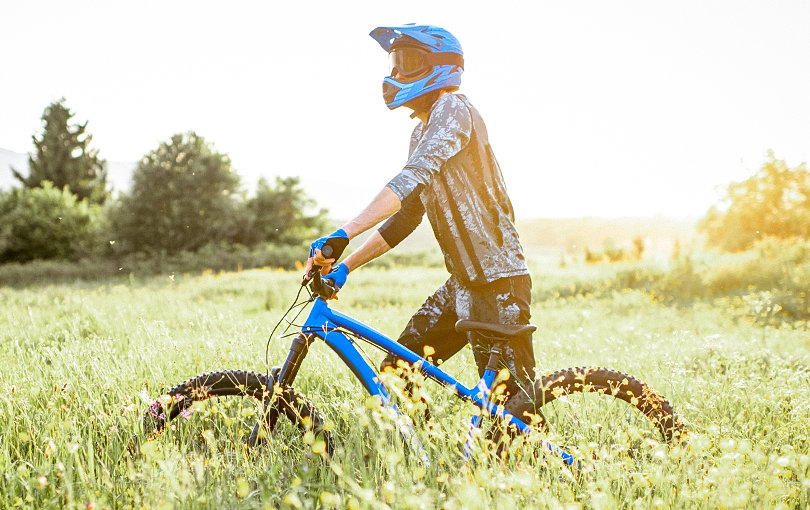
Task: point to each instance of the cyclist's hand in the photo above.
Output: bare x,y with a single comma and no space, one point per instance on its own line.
336,242
338,275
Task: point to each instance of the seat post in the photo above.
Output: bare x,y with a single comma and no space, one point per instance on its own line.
494,354
487,382
485,385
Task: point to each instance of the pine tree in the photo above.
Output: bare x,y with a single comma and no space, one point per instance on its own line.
64,158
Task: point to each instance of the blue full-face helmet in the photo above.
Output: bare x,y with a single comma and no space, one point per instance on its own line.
423,58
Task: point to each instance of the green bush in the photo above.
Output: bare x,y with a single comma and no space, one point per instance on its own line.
408,258
773,270
184,195
281,214
47,223
769,283
774,202
217,257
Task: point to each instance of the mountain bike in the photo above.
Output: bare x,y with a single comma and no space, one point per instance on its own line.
606,397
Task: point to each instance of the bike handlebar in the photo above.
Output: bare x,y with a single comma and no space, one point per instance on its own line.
317,284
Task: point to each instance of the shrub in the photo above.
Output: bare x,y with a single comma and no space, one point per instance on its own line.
778,269
281,214
183,197
768,284
47,223
775,202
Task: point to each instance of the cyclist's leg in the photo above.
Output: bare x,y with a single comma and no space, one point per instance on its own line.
504,301
434,325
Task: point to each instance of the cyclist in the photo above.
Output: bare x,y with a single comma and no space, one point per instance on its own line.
452,177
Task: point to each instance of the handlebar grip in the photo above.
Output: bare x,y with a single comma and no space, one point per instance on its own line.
333,248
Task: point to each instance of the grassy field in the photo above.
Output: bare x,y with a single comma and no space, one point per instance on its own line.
80,363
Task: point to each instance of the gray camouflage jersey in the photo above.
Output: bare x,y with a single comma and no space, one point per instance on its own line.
452,175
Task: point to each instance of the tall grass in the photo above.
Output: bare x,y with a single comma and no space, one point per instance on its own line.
82,361
121,268
769,284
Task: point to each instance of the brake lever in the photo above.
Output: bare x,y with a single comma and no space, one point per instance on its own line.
317,284
316,270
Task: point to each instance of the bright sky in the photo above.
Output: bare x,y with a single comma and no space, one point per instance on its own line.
594,108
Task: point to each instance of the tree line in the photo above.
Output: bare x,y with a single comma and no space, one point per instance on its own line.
773,203
185,195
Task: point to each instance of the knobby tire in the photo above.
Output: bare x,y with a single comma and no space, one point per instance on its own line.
287,402
607,382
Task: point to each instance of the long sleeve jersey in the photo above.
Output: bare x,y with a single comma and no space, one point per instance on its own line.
453,177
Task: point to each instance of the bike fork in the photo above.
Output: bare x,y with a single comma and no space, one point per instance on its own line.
285,377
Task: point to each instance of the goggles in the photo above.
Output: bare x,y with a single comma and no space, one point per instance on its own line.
412,62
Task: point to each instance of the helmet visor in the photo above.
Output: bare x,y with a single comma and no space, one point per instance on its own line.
409,62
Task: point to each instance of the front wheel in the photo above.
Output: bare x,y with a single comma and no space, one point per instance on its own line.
590,405
204,412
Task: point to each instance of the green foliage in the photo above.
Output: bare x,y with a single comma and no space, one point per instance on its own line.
64,158
218,257
183,197
209,258
280,215
46,223
613,253
775,202
773,276
771,280
409,258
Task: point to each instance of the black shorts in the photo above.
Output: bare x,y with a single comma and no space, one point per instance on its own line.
504,301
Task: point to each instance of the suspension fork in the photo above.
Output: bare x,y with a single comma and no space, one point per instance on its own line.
298,351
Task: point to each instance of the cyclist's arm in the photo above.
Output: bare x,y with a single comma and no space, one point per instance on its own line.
368,251
398,227
384,205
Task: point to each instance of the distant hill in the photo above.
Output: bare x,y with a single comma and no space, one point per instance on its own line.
10,159
119,174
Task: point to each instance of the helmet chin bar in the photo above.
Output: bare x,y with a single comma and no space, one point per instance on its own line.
397,93
390,92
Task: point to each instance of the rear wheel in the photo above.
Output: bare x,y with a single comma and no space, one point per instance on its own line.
587,408
212,411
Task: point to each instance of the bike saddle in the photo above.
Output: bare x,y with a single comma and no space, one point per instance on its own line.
504,330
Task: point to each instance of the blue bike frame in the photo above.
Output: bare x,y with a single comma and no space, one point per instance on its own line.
323,322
